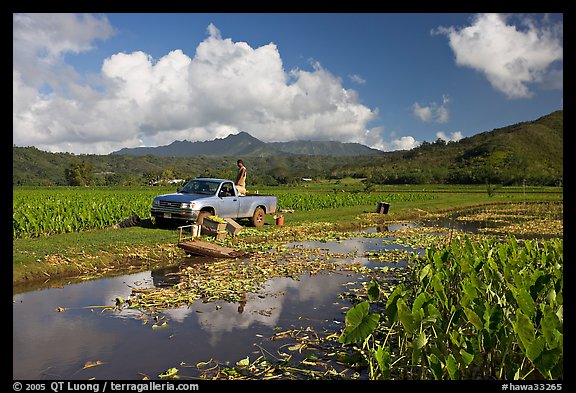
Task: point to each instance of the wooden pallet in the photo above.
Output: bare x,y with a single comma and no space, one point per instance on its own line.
200,247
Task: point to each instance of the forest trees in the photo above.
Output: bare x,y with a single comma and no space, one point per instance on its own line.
79,173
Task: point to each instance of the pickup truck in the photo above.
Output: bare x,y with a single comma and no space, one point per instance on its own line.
204,197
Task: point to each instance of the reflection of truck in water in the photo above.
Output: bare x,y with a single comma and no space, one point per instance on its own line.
204,197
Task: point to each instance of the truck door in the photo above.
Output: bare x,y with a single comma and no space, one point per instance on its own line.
226,201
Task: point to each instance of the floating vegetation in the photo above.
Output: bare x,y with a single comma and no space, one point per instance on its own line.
309,355
231,280
534,219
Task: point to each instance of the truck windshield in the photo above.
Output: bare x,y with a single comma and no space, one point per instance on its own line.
200,187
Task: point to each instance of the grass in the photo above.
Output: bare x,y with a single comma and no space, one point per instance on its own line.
104,251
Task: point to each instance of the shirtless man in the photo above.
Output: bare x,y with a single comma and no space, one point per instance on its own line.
241,178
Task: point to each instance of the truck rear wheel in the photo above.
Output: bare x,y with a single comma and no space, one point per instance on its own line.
258,217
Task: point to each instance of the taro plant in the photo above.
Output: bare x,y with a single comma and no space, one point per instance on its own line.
472,310
360,325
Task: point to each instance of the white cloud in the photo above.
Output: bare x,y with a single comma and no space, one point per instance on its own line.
454,136
434,112
512,57
396,143
226,87
357,79
404,143
40,42
424,113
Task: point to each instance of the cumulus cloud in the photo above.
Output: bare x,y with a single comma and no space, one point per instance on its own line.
434,112
374,138
453,137
512,57
40,42
224,88
396,142
403,143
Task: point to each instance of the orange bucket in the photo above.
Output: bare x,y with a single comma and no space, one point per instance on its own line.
280,220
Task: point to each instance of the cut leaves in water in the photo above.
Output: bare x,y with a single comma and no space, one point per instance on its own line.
92,364
170,373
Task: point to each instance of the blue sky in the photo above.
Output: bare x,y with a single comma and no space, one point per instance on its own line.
95,83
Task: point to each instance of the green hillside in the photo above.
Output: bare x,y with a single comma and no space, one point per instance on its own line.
525,153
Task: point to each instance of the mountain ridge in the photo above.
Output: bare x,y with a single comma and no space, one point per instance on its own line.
246,145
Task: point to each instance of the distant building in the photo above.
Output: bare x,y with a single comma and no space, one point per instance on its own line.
172,181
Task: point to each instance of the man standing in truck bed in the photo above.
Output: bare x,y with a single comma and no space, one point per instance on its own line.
241,178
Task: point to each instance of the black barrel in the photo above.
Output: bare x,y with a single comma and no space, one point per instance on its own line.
382,208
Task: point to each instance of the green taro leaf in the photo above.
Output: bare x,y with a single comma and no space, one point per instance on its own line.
466,357
433,311
406,317
420,340
391,303
425,272
419,302
470,290
547,360
551,296
360,323
524,329
539,284
550,327
373,291
560,313
535,348
383,358
474,318
493,317
525,302
452,366
439,289
435,366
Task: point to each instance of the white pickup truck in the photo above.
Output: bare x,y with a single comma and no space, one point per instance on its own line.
204,197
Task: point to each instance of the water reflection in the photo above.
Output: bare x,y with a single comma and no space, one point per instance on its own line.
56,345
50,344
381,228
357,248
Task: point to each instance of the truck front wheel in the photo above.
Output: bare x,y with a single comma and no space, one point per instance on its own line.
160,222
258,217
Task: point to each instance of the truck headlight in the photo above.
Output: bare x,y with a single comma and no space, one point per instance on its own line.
155,202
187,205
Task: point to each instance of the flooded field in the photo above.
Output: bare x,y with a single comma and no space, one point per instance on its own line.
126,347
78,331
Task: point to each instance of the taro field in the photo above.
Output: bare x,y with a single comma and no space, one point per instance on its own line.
41,211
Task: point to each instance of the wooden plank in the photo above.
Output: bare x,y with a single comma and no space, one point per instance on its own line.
200,247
